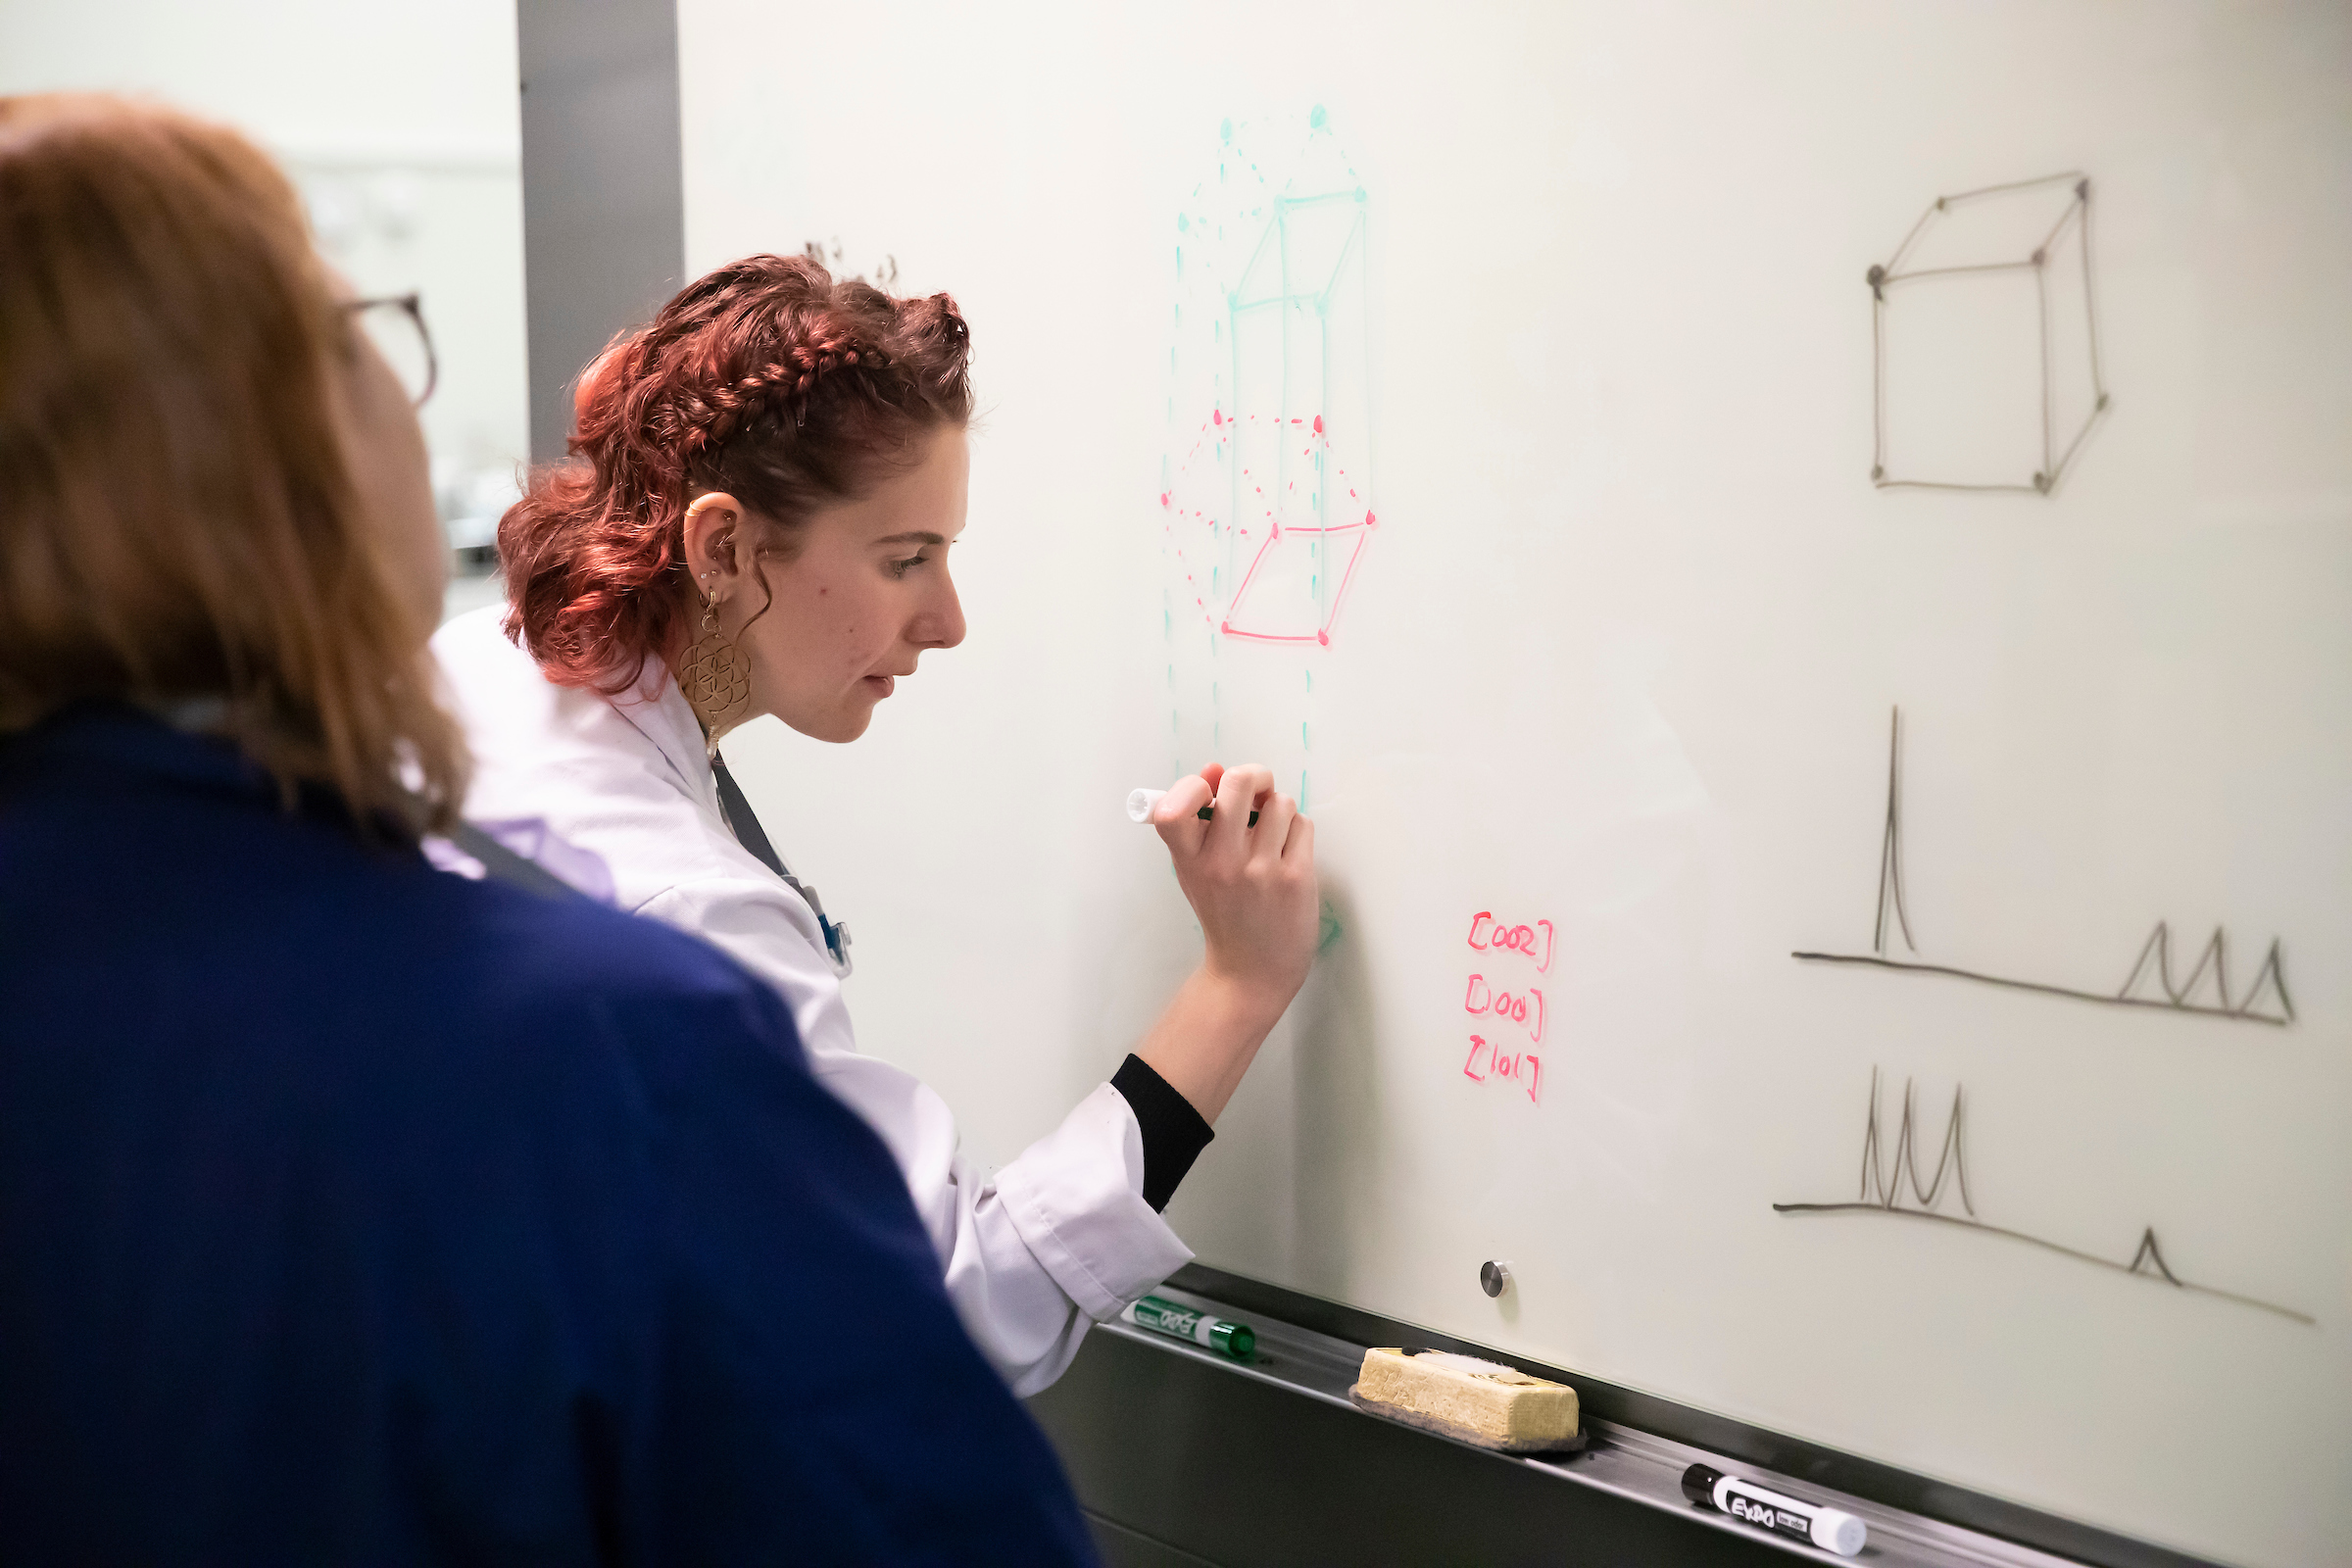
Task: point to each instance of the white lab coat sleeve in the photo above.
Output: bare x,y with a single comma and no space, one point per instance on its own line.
1076,1196
1060,1238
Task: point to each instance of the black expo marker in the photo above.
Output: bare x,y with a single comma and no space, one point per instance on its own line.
1830,1529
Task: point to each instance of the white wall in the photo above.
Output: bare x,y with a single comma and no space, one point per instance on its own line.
427,80
400,123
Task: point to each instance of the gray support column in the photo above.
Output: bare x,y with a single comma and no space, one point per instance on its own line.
604,216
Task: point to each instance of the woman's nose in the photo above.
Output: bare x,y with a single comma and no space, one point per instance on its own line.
941,622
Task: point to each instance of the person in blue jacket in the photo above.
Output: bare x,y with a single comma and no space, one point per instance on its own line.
352,1210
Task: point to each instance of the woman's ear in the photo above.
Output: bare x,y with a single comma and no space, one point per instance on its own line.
717,544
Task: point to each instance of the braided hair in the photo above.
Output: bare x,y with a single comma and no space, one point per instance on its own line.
767,379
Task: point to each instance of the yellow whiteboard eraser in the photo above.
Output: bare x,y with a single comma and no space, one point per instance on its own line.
1485,1403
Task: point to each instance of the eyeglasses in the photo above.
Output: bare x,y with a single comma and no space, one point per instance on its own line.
394,324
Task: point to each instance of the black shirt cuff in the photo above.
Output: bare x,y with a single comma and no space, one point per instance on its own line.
1175,1133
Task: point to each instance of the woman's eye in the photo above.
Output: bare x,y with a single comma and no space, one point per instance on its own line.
900,568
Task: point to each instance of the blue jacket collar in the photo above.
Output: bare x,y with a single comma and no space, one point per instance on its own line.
122,736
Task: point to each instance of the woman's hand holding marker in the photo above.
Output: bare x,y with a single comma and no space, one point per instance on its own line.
1248,871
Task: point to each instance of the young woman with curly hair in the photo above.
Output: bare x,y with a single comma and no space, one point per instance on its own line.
764,486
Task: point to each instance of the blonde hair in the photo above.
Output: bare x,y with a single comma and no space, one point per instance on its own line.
176,516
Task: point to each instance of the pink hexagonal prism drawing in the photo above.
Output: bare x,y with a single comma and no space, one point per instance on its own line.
1281,594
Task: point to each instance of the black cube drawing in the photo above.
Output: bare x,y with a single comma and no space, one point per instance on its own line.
1986,346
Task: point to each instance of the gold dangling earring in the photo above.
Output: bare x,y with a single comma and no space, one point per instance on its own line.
716,679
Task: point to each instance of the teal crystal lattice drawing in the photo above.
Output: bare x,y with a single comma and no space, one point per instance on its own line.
1266,489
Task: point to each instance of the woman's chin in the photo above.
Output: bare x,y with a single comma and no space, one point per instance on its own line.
838,726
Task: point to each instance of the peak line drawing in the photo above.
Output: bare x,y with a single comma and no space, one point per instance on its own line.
1883,1186
1891,1187
2205,991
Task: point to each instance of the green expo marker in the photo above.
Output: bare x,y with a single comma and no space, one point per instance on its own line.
1183,1323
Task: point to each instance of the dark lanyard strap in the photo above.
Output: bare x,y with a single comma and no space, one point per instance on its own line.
736,808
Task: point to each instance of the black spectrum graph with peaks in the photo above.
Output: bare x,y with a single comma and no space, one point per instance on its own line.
1891,1187
2205,990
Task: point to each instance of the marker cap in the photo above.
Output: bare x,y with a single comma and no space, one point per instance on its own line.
1835,1530
1698,1484
1234,1338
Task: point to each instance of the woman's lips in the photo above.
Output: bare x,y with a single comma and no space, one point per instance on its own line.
880,685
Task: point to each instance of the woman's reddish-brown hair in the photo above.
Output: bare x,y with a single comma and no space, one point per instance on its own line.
177,516
765,379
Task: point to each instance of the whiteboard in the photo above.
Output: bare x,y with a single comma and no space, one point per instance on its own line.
1667,512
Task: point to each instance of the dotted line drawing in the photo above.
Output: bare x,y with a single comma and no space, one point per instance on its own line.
1264,489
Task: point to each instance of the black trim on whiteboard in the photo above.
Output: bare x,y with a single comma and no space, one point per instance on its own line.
1734,1439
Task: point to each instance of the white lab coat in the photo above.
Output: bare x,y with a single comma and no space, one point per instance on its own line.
1059,1237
